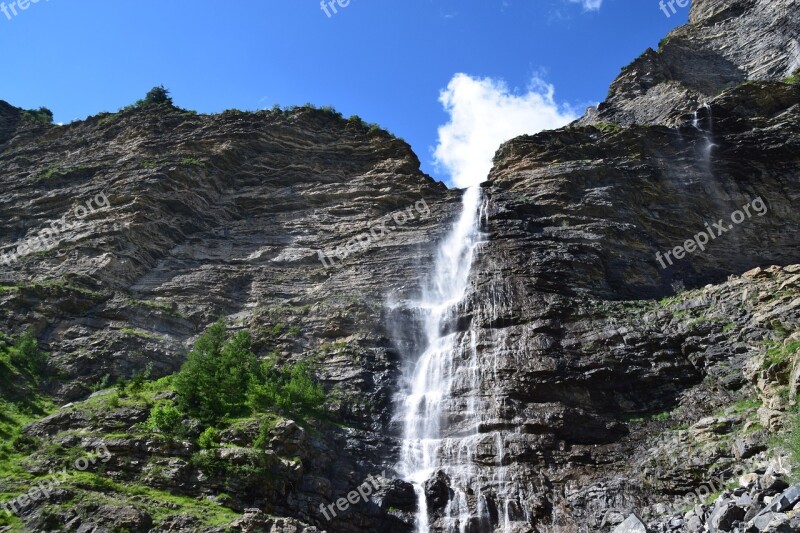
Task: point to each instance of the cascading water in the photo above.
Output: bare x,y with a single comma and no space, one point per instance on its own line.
444,407
442,362
707,133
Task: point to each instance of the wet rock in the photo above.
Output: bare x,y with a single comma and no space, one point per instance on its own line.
438,491
398,494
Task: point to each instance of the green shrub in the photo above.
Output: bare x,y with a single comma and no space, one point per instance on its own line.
139,378
301,389
794,78
26,355
213,382
156,96
208,439
166,419
265,389
293,389
41,115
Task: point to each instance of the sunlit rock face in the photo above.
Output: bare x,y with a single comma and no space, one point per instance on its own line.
725,44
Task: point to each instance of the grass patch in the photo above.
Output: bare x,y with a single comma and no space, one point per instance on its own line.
191,162
660,417
779,353
164,307
607,127
158,503
744,405
137,333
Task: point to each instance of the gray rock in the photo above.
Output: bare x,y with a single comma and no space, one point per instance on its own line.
783,501
723,516
632,524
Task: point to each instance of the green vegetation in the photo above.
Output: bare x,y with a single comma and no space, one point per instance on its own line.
663,416
157,96
793,435
41,115
22,366
744,405
779,353
607,127
669,301
137,333
25,355
794,78
191,162
222,385
208,439
214,380
222,378
159,504
51,172
289,390
166,418
165,307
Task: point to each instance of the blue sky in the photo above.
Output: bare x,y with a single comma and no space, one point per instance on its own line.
387,61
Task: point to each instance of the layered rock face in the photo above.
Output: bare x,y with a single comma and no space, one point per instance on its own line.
610,365
725,44
296,225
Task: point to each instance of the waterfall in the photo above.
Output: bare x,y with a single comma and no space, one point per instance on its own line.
708,133
447,359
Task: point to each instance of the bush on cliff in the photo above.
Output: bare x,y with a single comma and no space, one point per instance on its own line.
156,96
291,389
222,377
26,355
214,380
41,115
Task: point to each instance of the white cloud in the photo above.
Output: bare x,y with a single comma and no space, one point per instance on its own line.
589,5
484,113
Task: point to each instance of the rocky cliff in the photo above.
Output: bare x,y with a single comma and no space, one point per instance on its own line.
625,362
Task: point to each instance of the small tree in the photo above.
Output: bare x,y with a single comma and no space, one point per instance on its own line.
156,96
214,380
26,354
